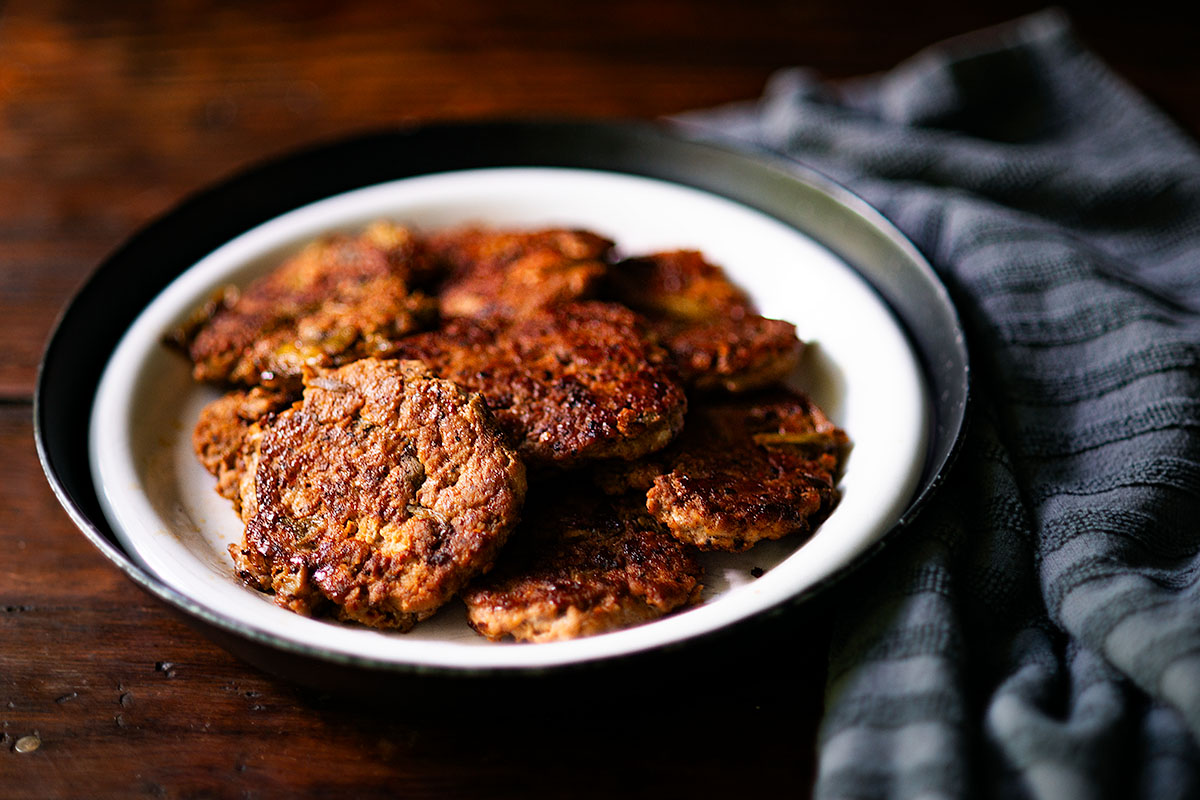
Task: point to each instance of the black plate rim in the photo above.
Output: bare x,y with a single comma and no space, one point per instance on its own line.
634,147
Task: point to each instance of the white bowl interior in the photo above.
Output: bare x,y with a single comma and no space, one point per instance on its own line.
859,367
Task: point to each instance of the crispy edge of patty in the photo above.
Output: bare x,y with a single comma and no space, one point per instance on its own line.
377,497
220,433
581,565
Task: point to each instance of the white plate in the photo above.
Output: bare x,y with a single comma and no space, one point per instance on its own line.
162,505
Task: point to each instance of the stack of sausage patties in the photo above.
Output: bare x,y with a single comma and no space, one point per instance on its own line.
522,419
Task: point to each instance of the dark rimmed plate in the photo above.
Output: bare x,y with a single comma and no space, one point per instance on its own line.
130,280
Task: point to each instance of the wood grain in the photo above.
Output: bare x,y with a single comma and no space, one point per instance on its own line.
109,117
111,113
128,701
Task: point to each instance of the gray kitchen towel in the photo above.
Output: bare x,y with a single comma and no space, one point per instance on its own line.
1037,632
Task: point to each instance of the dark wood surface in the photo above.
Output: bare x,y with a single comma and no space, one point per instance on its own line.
111,113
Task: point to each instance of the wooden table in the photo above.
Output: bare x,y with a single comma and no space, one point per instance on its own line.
107,118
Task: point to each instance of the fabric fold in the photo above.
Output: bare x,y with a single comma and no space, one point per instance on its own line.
1037,632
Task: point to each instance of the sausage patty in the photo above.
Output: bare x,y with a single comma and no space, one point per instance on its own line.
580,564
755,467
340,299
746,468
568,384
512,273
711,328
221,431
377,497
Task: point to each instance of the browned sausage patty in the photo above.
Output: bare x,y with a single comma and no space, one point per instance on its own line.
568,384
678,284
512,273
340,299
221,430
714,334
745,469
736,355
580,564
377,497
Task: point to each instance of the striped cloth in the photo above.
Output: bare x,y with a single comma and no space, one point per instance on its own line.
1037,633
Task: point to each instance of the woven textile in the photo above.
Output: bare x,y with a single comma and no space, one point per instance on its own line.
1037,632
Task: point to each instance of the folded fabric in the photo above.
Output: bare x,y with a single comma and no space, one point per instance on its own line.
1037,632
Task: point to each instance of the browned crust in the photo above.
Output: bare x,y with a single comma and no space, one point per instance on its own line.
514,273
221,431
569,384
679,285
736,355
376,498
747,469
340,299
712,330
580,565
